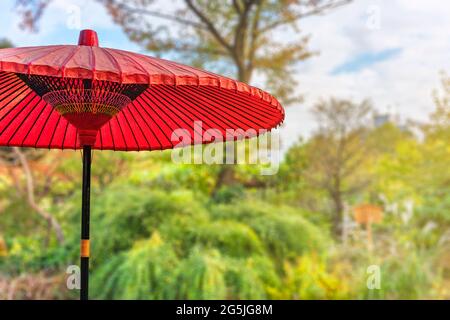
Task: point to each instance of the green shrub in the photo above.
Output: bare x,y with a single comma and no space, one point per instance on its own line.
283,230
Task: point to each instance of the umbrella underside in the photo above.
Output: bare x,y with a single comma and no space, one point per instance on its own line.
51,112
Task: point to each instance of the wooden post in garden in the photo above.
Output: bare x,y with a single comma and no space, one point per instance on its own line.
367,214
3,247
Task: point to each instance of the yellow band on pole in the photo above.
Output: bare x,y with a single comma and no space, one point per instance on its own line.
85,250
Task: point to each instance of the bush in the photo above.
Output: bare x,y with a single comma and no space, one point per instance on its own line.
283,230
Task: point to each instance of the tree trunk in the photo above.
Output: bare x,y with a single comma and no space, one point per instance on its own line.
226,176
338,214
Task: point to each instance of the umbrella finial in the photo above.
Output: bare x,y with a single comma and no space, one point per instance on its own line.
88,38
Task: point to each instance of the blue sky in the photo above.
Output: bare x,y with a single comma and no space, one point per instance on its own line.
364,60
61,24
390,51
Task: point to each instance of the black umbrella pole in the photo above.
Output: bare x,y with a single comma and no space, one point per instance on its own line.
85,217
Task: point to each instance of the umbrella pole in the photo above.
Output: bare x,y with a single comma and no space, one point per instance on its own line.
85,217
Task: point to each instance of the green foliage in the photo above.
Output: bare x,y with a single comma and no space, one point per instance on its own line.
151,269
407,277
227,194
5,43
308,278
209,251
283,230
144,272
138,212
229,237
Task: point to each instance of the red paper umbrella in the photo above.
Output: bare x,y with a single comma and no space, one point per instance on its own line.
85,96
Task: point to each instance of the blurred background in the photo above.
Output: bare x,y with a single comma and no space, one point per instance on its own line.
360,205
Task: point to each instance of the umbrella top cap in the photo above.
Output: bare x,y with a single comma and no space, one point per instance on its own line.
88,38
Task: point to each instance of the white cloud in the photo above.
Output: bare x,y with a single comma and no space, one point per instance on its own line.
401,84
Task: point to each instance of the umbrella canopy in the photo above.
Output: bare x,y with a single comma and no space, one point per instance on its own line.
153,97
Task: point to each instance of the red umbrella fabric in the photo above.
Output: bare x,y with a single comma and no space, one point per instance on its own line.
166,96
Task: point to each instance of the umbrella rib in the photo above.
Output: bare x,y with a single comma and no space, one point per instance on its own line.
162,67
101,139
10,81
174,105
92,61
188,126
68,144
132,131
265,108
226,109
33,126
29,63
121,131
24,118
181,67
27,50
11,87
42,128
6,74
148,126
218,123
232,98
116,63
8,92
198,109
231,104
12,108
185,93
124,53
112,136
54,130
155,122
185,112
217,107
139,127
6,103
140,105
254,120
156,103
75,139
65,133
66,61
262,106
8,77
147,94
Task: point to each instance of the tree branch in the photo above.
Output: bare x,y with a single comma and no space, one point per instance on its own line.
237,6
317,10
161,15
30,196
253,40
210,26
